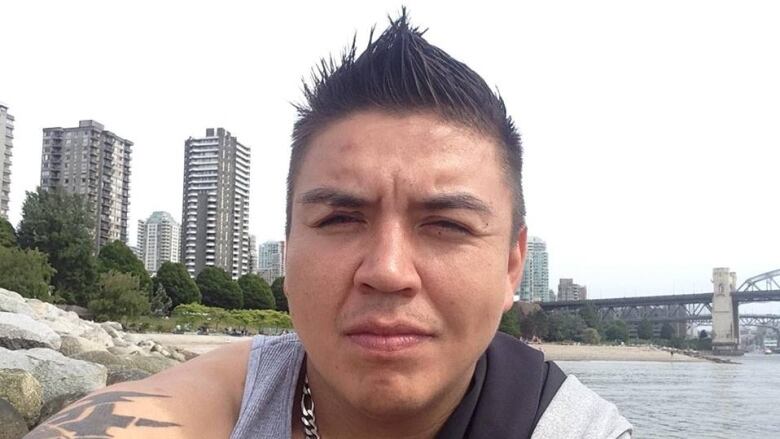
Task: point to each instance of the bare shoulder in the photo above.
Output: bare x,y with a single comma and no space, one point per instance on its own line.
199,398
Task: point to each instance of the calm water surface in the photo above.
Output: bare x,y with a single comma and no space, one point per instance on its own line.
690,400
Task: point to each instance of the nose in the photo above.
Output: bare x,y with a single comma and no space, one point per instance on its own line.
388,264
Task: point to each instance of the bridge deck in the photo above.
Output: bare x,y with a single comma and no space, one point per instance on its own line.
673,299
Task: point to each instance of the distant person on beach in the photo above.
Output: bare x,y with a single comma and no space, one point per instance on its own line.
406,238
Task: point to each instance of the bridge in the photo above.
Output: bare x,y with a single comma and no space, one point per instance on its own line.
720,306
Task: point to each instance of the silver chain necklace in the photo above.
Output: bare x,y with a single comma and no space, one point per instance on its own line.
307,412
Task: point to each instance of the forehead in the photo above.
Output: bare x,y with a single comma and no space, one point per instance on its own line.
416,149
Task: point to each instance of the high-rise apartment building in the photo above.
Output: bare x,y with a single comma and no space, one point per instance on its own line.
215,203
158,240
272,260
568,290
6,152
535,286
94,162
254,262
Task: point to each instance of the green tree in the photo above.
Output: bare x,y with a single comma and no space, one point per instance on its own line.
510,323
118,297
617,330
26,272
277,287
645,330
265,320
61,225
223,317
590,315
565,327
159,302
591,336
192,314
257,293
117,256
667,331
244,318
218,289
534,324
7,234
177,283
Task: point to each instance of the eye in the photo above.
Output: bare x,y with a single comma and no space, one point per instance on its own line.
334,220
450,226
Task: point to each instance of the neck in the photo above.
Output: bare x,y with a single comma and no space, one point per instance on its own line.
338,417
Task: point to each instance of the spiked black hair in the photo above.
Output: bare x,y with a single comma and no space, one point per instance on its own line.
401,72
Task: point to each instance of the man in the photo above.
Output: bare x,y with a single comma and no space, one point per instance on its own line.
406,239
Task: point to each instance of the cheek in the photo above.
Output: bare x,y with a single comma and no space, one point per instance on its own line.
468,293
314,282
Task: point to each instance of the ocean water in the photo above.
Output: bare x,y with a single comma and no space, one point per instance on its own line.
690,400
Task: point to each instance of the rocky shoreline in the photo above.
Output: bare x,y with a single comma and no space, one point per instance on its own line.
50,358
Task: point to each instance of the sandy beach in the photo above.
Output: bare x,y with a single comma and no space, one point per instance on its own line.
568,352
200,344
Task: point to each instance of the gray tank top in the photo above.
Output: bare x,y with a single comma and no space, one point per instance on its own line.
269,388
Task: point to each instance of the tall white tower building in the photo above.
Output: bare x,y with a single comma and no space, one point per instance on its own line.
272,260
535,286
254,262
215,204
158,240
6,147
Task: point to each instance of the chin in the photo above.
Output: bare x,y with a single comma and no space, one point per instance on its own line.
396,397
389,406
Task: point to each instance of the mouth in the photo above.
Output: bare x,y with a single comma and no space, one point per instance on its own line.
390,337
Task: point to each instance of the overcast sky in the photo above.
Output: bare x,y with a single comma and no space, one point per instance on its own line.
651,131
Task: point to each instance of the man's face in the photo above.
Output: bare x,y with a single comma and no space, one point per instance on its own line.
399,259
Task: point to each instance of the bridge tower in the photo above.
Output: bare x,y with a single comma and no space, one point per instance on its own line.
725,313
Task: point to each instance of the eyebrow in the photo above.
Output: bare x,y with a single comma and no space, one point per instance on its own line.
454,201
333,198
457,201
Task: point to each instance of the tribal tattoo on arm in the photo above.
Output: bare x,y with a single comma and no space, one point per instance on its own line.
93,416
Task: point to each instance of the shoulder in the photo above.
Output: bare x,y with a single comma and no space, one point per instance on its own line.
506,345
199,398
577,411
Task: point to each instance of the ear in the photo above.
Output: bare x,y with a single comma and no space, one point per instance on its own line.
515,266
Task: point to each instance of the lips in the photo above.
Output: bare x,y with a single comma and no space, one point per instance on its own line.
387,337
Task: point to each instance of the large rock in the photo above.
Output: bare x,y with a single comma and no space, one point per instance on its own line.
124,351
83,313
58,403
19,331
66,322
13,424
111,332
14,302
151,364
72,345
23,391
58,374
121,374
44,311
116,326
100,357
94,332
188,355
70,324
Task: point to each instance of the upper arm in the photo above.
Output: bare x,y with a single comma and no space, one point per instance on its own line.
200,398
